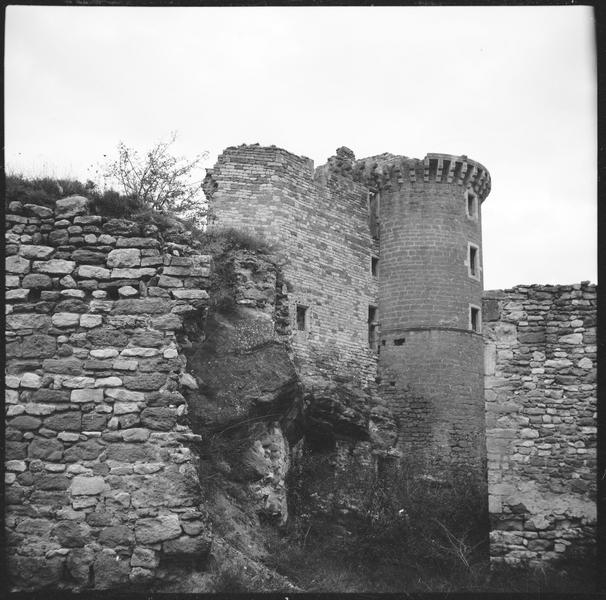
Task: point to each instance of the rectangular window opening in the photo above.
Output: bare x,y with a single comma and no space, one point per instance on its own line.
373,215
472,205
374,266
373,328
473,260
301,317
474,318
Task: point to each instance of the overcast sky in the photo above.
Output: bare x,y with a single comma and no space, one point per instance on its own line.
511,87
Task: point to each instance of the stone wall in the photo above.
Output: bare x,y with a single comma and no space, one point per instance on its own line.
319,224
102,489
540,388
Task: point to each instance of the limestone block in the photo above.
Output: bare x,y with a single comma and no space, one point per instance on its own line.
137,242
71,207
27,321
11,281
92,272
125,365
17,295
32,408
31,381
78,382
141,352
80,396
40,211
54,266
37,281
122,408
104,353
190,294
17,264
169,282
123,395
158,529
36,252
87,486
144,557
127,291
70,420
572,338
108,382
89,321
185,545
135,434
69,282
126,257
65,319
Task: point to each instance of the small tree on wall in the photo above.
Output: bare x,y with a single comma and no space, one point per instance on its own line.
160,180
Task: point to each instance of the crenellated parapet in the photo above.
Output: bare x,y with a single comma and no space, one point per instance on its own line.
390,172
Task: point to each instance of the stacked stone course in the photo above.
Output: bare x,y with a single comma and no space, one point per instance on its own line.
540,390
101,484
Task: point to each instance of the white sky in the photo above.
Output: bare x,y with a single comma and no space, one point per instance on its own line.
512,87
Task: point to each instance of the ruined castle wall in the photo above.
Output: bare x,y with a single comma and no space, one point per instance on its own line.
540,379
101,486
321,227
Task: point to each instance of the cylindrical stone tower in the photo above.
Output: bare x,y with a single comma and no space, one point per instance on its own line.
430,299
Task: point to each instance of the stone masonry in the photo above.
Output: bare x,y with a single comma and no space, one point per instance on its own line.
540,389
101,485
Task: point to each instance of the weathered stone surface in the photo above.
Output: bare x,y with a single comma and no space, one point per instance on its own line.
70,421
127,257
31,381
92,272
17,264
87,486
190,546
18,295
167,322
123,408
116,535
121,227
40,211
158,529
15,450
33,321
31,572
38,346
53,396
88,450
52,482
78,564
71,207
65,319
142,306
25,423
36,252
144,557
152,381
54,266
123,395
86,395
130,453
110,570
162,418
88,257
132,273
107,337
137,242
190,294
65,366
135,434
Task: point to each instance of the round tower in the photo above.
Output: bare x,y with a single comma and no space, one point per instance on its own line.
430,299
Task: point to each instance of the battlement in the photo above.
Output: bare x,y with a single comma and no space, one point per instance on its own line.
389,171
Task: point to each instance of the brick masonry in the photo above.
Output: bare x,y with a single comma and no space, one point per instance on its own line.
320,225
540,389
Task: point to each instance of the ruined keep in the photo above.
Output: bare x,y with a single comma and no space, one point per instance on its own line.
363,338
384,259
